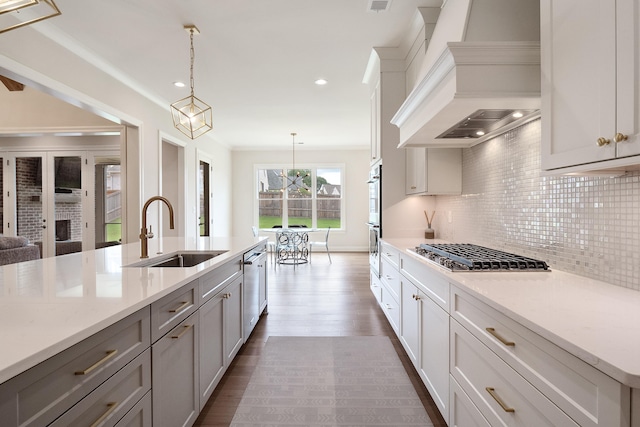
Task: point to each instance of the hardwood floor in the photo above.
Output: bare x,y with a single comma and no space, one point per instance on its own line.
317,299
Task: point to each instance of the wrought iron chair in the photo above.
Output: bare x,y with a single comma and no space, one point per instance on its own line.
324,244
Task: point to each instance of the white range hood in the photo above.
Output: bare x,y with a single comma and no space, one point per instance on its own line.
481,67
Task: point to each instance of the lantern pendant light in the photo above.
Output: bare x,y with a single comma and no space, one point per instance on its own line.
20,13
192,116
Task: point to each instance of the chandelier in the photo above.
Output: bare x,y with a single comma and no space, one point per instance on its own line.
26,12
295,181
191,116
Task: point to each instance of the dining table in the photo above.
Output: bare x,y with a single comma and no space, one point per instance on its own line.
292,245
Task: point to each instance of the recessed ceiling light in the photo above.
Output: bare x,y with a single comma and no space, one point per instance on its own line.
480,133
517,115
178,84
321,82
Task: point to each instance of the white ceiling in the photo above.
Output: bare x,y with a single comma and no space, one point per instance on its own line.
255,60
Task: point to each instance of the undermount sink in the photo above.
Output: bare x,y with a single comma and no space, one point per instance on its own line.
178,259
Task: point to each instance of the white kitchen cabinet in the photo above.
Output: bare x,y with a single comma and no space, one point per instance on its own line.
376,147
577,389
390,307
590,89
40,395
425,327
375,286
390,254
410,326
462,411
432,171
390,292
433,364
175,361
390,277
500,394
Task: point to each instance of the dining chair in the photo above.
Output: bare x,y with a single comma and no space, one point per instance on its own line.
324,244
271,246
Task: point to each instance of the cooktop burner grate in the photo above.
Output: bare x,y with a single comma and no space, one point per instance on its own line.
469,257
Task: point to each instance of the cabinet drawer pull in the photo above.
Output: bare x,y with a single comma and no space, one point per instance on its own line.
111,406
493,332
603,141
183,304
102,361
493,394
184,331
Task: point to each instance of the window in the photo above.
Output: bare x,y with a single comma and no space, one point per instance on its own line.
301,197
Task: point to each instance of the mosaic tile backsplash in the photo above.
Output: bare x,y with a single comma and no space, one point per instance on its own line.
589,226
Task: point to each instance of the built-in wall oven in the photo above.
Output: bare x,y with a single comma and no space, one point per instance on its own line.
375,216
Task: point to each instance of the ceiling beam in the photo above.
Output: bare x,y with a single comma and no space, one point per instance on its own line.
12,85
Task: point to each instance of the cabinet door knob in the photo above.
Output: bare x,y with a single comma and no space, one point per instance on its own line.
619,137
603,141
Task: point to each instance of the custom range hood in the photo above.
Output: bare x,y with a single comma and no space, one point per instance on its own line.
480,75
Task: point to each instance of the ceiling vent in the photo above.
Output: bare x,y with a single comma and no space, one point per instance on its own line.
378,5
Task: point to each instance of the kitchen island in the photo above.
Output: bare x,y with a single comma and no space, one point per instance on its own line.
50,306
576,341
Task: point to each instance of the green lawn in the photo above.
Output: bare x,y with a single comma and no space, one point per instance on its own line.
270,221
114,230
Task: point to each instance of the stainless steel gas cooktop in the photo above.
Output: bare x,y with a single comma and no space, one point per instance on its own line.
469,257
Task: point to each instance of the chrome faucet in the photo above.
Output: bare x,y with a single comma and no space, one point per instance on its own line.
145,234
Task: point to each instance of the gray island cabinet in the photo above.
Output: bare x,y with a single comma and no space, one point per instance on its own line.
157,366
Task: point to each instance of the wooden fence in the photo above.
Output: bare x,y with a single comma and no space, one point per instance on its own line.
328,207
113,206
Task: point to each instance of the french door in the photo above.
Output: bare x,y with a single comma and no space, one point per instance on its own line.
46,199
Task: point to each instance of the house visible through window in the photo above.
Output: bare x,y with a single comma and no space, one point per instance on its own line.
301,197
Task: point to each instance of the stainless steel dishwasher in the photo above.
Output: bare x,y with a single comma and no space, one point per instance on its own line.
255,288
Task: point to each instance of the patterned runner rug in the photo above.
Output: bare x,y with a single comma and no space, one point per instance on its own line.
330,381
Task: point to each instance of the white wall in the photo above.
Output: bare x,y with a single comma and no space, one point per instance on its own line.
28,57
356,167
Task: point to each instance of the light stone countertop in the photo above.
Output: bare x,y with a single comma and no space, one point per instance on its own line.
595,321
48,305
